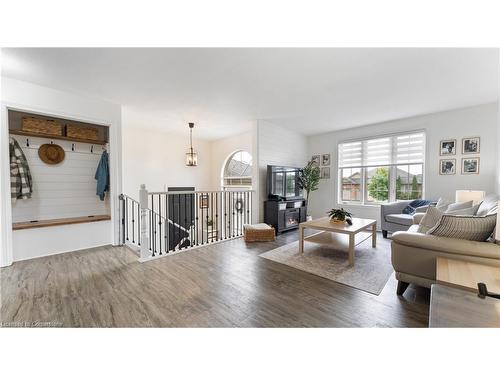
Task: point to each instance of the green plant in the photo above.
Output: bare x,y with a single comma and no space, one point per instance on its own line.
414,188
378,188
339,214
210,222
309,178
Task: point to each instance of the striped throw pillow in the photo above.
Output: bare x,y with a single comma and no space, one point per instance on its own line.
472,228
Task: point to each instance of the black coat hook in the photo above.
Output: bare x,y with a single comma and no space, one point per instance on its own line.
92,148
27,142
72,147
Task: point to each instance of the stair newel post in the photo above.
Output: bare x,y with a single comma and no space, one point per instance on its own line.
143,203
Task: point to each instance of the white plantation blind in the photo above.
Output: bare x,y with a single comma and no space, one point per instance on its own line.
383,151
410,148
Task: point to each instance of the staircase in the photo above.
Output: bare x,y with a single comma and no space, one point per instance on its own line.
194,218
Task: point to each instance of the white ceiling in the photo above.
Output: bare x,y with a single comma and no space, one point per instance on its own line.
307,90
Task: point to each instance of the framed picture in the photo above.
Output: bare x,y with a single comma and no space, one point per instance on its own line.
316,160
470,145
470,166
325,172
447,166
203,201
325,160
448,147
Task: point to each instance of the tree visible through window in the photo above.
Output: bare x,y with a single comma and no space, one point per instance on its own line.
382,169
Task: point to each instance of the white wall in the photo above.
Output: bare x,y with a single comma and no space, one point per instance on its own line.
479,120
157,158
38,99
277,146
67,189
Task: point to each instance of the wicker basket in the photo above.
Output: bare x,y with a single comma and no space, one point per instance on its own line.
259,233
82,132
41,126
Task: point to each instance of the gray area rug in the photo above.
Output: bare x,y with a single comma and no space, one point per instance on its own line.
372,267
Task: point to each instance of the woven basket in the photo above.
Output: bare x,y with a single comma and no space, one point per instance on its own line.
41,126
82,132
259,235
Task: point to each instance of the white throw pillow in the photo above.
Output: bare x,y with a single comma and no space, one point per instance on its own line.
442,204
472,228
459,206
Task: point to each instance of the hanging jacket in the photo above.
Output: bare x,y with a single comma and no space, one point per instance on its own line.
102,175
21,183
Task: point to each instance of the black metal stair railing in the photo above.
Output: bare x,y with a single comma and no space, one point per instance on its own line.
174,221
130,221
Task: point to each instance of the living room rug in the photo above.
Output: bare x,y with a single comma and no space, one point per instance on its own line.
372,267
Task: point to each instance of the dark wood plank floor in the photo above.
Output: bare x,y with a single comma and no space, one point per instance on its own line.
223,285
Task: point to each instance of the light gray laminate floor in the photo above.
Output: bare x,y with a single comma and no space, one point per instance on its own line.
223,285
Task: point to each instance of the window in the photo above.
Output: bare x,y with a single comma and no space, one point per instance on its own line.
237,172
383,169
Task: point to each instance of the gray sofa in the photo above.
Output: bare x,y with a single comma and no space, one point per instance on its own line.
393,219
414,254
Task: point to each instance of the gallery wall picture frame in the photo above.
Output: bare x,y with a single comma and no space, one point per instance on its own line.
447,167
470,165
325,172
471,145
316,160
448,147
325,160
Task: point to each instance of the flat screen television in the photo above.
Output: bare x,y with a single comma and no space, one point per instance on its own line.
282,182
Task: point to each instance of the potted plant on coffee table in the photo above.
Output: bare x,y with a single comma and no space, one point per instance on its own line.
308,180
339,215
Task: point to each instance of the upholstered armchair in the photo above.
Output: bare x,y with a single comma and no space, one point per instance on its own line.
393,219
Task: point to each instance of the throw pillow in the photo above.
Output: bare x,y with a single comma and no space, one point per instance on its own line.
442,204
413,205
472,228
459,206
430,219
433,215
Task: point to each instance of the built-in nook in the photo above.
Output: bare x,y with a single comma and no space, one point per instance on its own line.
63,193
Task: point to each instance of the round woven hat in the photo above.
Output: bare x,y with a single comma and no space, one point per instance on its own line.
51,154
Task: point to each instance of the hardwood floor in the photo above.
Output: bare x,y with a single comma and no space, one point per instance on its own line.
223,285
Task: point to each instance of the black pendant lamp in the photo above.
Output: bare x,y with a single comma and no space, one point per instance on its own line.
191,156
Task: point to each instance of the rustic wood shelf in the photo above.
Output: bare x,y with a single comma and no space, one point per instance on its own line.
56,222
61,137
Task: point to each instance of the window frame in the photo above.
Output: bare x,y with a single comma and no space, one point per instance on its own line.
392,169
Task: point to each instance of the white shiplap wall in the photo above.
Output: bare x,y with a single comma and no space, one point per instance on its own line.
67,189
278,146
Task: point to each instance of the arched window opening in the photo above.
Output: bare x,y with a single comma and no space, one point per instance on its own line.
237,171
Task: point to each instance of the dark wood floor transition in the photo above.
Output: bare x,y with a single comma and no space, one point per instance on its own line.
223,285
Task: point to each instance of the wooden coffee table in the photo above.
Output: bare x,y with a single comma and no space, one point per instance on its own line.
339,235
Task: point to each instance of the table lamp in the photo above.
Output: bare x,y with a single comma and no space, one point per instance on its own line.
476,196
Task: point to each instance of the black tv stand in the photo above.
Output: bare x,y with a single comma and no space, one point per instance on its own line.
285,215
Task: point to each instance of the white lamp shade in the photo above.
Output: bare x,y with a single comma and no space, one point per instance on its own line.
476,196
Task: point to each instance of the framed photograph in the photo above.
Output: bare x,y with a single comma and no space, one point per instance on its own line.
447,166
316,160
470,166
325,160
325,172
203,201
470,145
448,147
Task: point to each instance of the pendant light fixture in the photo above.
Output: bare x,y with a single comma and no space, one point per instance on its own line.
191,156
